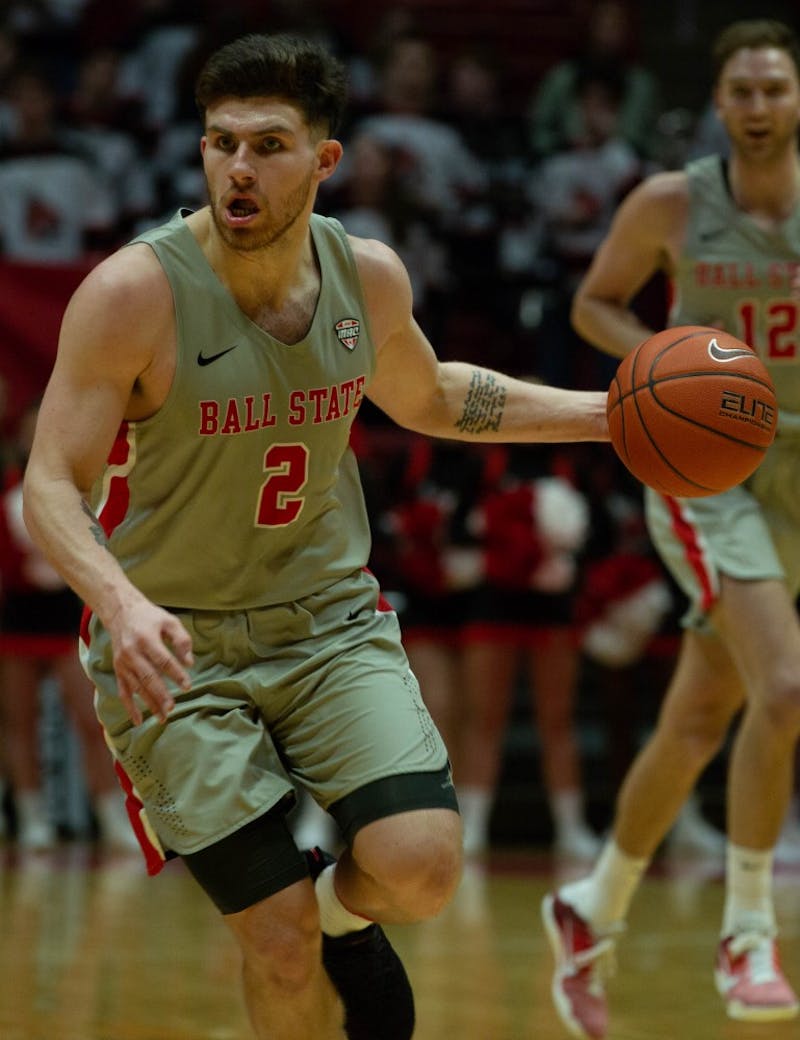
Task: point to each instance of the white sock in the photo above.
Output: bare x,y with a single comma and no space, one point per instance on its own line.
603,898
335,918
30,805
566,807
475,805
748,891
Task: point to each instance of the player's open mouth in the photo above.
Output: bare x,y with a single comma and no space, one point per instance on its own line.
241,210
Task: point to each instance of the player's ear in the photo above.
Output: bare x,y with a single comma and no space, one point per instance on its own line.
329,152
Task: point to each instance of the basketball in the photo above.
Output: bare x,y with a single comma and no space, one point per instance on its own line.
692,411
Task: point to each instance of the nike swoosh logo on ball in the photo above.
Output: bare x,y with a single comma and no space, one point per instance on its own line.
206,359
718,353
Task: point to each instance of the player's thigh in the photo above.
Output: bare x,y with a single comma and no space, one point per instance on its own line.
255,866
705,690
759,623
360,739
699,540
212,767
360,719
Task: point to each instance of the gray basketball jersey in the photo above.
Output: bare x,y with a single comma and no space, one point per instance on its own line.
242,490
734,272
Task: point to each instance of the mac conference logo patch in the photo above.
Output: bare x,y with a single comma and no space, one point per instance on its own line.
347,332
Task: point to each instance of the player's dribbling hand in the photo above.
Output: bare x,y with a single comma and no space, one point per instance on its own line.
150,646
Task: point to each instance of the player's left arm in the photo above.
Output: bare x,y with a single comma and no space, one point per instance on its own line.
454,399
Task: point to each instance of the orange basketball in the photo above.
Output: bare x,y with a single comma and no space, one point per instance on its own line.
691,411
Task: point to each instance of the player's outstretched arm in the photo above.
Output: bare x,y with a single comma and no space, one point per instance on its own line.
453,399
108,341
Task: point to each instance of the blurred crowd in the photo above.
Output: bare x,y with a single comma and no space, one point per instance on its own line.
494,193
512,568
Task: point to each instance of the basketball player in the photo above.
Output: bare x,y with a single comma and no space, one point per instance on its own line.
728,235
191,479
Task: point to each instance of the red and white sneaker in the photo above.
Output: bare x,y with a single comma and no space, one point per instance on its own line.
750,981
582,965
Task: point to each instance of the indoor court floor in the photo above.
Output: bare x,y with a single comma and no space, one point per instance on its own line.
93,949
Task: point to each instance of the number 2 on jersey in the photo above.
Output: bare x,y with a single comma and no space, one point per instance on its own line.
279,502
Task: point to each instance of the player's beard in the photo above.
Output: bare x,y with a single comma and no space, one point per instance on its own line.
266,232
769,151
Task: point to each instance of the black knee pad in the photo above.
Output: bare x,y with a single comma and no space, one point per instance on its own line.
254,862
391,795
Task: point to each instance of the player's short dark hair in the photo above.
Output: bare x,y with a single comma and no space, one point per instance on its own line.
280,65
752,33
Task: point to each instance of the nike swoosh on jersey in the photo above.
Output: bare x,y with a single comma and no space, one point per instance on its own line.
709,234
206,359
723,354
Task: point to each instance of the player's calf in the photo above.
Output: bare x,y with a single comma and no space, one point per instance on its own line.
366,971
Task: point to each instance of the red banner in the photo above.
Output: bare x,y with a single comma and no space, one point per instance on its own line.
32,301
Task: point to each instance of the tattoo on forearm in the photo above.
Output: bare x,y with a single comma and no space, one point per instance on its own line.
94,526
483,405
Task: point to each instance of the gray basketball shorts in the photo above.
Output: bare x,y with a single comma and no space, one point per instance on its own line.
751,532
317,692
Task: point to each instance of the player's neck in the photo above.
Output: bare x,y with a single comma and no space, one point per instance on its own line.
264,277
768,192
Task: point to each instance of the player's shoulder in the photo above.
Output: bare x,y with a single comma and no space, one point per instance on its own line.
658,206
668,187
129,282
374,258
125,298
132,270
386,287
381,271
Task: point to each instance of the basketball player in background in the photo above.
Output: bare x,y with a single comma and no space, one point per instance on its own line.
728,235
191,478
